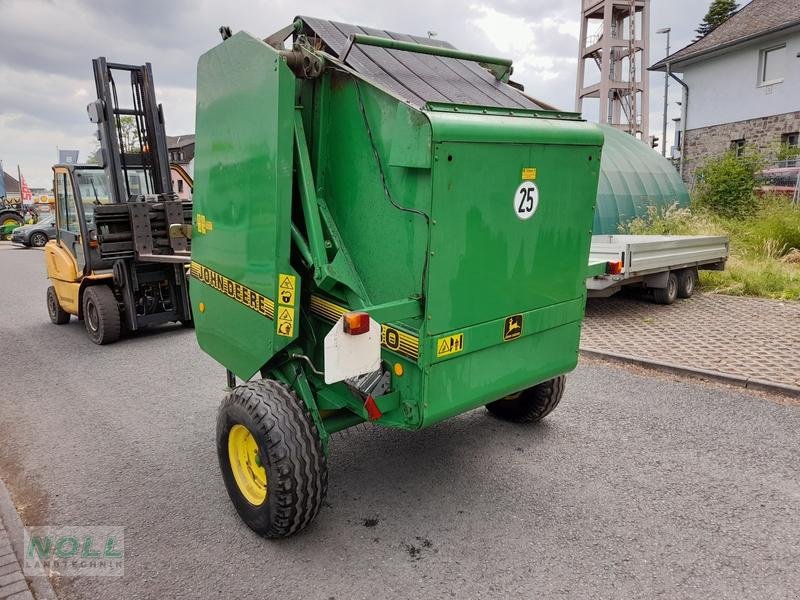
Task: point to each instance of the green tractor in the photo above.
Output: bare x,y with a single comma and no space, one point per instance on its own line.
13,215
387,230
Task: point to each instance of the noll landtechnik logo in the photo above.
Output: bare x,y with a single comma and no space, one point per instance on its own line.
74,551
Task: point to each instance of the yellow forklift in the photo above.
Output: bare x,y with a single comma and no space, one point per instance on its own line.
119,261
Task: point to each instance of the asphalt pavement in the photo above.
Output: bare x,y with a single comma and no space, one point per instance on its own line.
637,486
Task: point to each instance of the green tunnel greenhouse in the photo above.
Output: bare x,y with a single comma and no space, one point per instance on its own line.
632,179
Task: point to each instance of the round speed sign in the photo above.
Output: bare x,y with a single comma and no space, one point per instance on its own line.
526,200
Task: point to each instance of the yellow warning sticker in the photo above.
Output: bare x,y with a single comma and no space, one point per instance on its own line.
449,344
203,224
529,174
285,321
286,289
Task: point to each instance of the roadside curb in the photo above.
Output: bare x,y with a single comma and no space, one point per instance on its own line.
750,383
39,586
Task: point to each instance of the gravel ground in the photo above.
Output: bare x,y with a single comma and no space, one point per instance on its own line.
637,486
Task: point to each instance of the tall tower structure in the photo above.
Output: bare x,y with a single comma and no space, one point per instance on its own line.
614,38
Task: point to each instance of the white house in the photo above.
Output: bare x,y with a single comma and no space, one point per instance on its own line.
743,83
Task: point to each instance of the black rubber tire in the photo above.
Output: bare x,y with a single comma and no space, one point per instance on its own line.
38,239
290,450
669,294
687,281
101,314
57,314
532,404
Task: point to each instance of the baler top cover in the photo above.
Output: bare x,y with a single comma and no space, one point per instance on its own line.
414,77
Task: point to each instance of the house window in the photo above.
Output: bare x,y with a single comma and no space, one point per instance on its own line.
771,65
180,186
738,147
791,139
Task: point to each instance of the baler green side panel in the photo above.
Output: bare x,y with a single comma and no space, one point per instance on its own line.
242,203
486,263
386,244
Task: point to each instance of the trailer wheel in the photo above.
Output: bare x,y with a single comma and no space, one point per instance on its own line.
271,458
687,279
57,314
669,294
101,314
532,404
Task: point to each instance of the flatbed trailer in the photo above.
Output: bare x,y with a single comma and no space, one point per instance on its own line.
666,264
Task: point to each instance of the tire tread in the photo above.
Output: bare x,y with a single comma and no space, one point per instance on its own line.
298,477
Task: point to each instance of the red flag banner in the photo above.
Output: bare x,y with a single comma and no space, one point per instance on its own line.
24,190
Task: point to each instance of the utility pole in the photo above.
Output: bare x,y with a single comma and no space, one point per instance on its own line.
666,94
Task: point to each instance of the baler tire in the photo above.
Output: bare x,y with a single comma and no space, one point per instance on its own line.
290,452
101,315
687,281
57,314
532,404
669,294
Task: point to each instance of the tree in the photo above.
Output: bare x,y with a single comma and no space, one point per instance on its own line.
130,140
719,12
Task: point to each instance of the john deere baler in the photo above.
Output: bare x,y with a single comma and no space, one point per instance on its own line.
386,230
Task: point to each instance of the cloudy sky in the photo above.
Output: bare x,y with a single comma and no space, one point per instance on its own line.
46,47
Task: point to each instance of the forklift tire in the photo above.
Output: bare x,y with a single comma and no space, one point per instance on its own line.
669,294
271,458
687,279
101,314
531,405
57,314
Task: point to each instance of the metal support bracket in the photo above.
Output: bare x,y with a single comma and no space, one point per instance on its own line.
173,213
142,232
327,273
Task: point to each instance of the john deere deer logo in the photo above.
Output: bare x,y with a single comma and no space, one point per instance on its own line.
513,327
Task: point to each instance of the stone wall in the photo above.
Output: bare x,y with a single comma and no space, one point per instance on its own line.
763,134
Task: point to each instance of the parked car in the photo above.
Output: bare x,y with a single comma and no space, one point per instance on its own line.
782,179
36,234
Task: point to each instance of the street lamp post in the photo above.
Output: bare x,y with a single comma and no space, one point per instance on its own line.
666,93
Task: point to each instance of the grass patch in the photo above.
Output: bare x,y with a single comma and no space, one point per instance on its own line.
765,246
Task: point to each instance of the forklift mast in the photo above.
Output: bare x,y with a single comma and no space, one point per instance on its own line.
134,158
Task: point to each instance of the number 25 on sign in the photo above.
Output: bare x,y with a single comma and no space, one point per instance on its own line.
526,200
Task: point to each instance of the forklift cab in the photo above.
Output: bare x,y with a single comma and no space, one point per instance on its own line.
76,231
78,190
73,255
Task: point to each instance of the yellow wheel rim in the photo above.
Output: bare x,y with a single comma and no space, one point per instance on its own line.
249,473
10,222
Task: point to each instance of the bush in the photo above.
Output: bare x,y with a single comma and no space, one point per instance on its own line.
773,231
674,220
725,185
787,152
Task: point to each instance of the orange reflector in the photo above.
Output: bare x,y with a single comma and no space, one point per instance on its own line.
356,323
373,412
398,369
614,267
